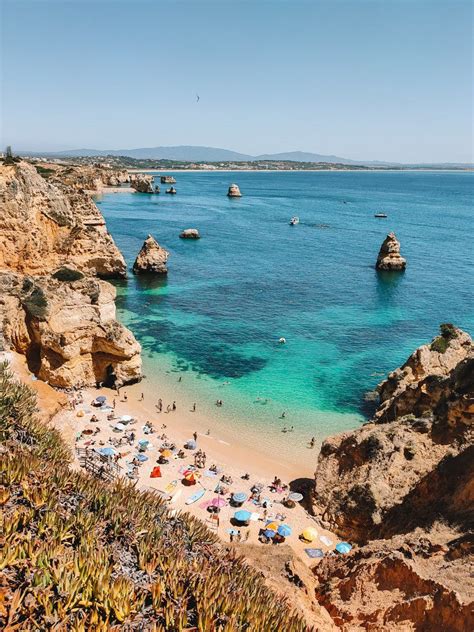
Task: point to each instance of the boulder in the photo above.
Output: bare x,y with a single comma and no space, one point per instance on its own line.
142,183
389,255
152,258
234,191
190,233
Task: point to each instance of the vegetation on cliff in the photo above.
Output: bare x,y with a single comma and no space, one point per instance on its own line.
82,555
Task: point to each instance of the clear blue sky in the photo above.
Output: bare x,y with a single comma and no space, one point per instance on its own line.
364,79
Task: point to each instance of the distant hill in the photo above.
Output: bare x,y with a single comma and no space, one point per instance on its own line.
197,153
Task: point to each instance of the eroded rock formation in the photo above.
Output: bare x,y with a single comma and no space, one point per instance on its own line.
53,245
152,258
389,255
67,329
409,470
190,233
44,225
234,191
142,182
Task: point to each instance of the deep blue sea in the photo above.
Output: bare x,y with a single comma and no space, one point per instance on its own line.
253,278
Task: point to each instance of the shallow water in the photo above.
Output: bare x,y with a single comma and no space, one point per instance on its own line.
252,278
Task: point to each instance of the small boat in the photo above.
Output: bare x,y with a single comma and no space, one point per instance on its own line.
294,220
196,496
171,190
282,340
380,215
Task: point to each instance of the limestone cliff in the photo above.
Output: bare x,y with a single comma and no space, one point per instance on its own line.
142,182
67,329
410,469
44,225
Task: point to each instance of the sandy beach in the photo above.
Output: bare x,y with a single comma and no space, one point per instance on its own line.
177,427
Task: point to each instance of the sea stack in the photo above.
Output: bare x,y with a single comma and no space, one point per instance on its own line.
234,191
151,259
389,255
142,183
190,233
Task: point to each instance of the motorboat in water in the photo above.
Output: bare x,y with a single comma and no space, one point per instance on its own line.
171,190
294,220
382,215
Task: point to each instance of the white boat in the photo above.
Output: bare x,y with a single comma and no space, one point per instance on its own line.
294,220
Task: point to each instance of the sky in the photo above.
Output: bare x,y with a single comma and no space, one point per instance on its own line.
362,79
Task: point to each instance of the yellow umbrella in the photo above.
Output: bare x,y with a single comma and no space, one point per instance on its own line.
273,526
310,534
166,453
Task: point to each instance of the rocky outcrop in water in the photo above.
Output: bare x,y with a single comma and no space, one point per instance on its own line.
44,225
142,183
67,329
152,258
190,233
411,468
389,255
234,191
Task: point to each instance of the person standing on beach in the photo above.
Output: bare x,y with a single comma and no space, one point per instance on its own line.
173,406
113,403
194,407
160,405
142,397
195,436
125,398
312,442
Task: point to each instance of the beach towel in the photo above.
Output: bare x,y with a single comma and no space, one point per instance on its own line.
156,472
325,540
313,553
210,473
255,516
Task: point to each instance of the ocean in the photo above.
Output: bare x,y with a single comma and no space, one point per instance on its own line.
252,278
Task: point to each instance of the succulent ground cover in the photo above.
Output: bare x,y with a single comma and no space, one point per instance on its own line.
79,554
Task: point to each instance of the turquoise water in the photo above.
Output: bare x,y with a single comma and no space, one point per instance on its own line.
252,278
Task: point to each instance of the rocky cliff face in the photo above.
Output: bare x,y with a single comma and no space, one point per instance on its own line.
45,225
411,468
152,258
53,309
67,329
389,255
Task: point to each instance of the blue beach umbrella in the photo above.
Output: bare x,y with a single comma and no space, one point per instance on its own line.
240,497
284,530
141,457
107,451
343,547
143,443
295,497
191,445
268,533
242,515
101,399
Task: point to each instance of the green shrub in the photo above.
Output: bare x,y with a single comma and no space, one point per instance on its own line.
441,343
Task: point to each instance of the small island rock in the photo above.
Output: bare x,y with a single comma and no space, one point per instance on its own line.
389,255
234,191
190,233
152,258
142,183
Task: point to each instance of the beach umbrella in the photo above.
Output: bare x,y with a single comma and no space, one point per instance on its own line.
284,530
269,533
101,399
120,427
272,525
240,497
89,430
218,502
190,476
166,453
141,457
107,451
295,497
191,445
242,515
126,419
310,534
343,547
143,443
